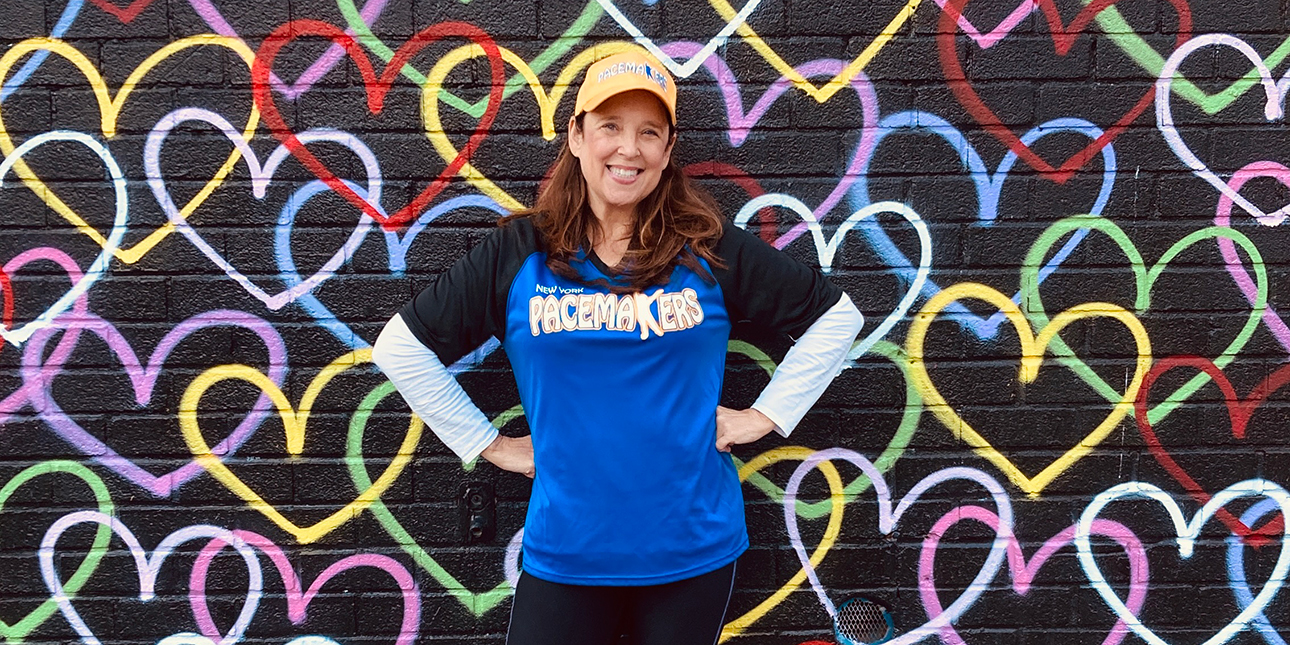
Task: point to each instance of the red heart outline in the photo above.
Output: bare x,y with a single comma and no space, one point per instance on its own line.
1063,38
6,288
377,88
1238,410
125,14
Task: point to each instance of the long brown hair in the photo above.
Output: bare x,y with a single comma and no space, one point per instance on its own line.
675,224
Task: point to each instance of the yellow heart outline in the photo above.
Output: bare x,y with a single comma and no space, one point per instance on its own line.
826,91
294,422
110,111
1033,349
433,86
838,500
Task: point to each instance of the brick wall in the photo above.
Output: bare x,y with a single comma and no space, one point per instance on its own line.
1094,253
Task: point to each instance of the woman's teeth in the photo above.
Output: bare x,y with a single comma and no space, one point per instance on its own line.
623,172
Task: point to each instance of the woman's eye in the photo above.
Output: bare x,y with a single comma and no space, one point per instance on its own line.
652,133
610,126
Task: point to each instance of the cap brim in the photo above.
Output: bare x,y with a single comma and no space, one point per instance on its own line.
594,101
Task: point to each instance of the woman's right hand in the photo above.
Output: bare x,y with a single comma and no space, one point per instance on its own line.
514,454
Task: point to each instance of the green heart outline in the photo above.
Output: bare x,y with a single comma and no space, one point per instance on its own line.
19,631
1126,38
1033,307
573,35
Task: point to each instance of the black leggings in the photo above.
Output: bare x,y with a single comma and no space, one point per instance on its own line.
685,612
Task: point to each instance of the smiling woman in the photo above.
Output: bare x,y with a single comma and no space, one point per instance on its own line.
614,298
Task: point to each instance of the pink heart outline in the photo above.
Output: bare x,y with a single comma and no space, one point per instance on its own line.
1000,31
80,307
1235,265
38,378
1023,573
298,602
371,10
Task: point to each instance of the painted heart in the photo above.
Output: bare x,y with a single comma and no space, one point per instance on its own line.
298,601
1063,37
889,518
111,243
836,510
110,111
1023,573
1235,266
1273,109
377,87
148,565
477,604
1239,411
294,423
397,247
366,16
261,176
1124,36
1033,348
1001,31
844,76
126,14
989,187
360,25
19,630
1236,571
826,249
1145,279
17,399
1188,532
64,22
39,375
733,22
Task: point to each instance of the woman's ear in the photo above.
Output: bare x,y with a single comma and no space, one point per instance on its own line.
575,136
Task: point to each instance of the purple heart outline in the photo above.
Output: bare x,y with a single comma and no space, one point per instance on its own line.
371,10
38,377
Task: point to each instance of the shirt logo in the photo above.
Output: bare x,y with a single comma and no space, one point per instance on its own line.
660,312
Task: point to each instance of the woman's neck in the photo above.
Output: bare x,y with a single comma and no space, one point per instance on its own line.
611,237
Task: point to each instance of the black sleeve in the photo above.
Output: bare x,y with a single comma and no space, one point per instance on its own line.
466,304
767,286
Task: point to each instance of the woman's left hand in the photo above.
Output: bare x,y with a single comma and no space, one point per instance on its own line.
740,426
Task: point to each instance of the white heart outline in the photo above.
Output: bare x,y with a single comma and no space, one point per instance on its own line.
1187,533
887,520
100,266
261,176
681,71
1273,110
825,251
148,566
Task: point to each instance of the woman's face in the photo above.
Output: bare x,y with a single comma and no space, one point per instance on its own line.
622,148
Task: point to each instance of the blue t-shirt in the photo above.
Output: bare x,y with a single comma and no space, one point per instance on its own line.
620,392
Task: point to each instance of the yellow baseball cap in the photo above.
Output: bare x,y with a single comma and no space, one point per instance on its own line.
623,72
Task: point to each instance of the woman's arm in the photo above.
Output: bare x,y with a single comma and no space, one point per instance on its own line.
806,371
436,397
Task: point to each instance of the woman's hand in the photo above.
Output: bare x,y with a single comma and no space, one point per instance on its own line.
740,426
511,453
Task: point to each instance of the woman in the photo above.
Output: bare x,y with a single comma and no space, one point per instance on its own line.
613,298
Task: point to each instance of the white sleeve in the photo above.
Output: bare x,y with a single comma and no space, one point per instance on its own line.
810,365
431,391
